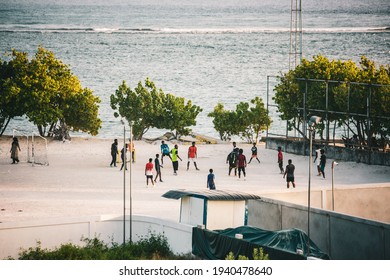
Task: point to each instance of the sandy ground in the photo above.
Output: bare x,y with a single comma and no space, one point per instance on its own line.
80,182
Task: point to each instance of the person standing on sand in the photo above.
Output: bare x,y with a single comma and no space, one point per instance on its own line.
318,151
322,163
232,161
123,155
149,172
280,160
192,155
175,162
211,180
164,151
15,149
241,163
158,167
254,153
114,152
290,168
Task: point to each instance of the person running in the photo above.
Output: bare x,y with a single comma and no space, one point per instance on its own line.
254,153
158,167
322,163
114,152
164,151
15,149
175,162
192,155
280,160
241,163
149,172
232,161
290,168
211,180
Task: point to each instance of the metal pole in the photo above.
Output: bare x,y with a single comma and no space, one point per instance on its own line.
130,180
124,185
333,186
308,192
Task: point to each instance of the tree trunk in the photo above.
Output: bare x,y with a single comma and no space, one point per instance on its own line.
5,126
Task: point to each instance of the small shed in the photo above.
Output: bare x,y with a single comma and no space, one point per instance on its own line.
212,209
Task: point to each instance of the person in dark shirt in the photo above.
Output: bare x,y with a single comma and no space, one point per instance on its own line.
114,152
322,162
254,153
290,168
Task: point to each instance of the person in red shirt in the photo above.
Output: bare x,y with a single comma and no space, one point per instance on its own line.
192,155
149,172
280,160
241,163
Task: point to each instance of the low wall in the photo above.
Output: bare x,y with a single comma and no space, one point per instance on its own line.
52,233
301,147
370,203
342,237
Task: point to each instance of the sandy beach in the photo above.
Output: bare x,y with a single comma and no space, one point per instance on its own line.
80,182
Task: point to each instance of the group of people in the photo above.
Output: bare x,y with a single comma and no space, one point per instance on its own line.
236,160
290,168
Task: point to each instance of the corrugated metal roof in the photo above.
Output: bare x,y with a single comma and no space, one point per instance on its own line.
210,194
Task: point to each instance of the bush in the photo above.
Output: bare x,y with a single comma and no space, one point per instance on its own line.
154,247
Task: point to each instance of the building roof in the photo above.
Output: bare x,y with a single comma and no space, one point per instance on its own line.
210,194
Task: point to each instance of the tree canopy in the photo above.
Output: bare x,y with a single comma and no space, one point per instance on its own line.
146,107
340,92
246,122
47,93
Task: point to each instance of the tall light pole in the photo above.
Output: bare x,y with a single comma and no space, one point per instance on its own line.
334,163
314,120
130,178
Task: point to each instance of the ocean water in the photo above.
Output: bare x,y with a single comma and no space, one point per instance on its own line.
204,50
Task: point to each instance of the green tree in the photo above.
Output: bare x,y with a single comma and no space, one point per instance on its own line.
12,76
45,90
146,107
246,122
342,96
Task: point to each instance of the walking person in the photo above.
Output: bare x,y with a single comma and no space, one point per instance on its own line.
254,153
158,167
175,156
164,151
149,172
192,155
123,157
290,168
114,152
241,163
15,149
211,180
232,161
280,160
322,163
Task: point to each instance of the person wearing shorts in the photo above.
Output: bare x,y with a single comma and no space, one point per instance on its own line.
192,155
149,172
290,168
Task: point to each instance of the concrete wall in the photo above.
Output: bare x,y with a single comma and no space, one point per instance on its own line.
369,203
301,147
54,232
342,237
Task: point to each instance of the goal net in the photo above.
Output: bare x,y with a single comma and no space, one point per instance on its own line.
38,150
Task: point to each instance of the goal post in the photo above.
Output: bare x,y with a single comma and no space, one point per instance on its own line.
38,152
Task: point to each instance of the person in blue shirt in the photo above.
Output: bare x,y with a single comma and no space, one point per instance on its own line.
164,151
210,180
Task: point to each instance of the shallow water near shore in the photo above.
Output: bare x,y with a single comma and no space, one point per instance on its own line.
204,51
